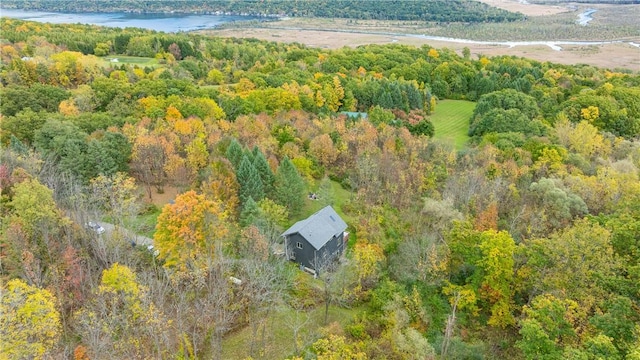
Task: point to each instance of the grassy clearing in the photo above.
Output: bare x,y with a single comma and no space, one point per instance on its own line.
340,197
451,121
130,60
146,223
279,334
143,224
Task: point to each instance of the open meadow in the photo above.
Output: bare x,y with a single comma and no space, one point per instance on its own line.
451,121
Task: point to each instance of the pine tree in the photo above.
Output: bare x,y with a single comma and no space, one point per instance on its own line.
18,146
266,174
255,151
290,187
250,213
250,154
325,193
234,153
249,181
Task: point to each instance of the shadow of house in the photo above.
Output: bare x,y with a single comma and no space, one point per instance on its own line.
316,240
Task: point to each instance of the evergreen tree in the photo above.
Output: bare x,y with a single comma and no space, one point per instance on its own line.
255,151
250,154
234,153
290,188
414,97
18,146
384,100
325,192
250,213
249,181
266,174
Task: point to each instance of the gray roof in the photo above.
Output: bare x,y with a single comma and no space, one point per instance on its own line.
319,228
355,114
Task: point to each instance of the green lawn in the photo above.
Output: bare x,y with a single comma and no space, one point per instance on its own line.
280,332
147,223
451,121
340,196
130,60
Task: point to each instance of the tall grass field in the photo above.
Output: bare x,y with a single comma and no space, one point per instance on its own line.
451,121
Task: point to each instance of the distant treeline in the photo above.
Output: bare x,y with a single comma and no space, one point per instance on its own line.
433,10
615,2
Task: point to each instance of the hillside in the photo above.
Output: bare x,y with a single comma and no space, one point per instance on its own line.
492,203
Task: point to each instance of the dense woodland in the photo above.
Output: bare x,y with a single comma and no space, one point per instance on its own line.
524,244
432,10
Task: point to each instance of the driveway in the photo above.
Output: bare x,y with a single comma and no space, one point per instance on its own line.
139,240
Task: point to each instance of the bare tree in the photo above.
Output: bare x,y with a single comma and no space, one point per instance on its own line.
451,323
419,258
330,271
297,320
263,289
205,306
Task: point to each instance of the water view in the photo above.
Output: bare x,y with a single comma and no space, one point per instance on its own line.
159,22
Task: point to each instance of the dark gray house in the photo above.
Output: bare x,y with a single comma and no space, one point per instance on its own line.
316,240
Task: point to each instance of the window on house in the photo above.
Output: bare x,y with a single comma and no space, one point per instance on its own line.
299,245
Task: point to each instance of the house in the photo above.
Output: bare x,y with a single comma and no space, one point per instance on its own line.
354,115
317,240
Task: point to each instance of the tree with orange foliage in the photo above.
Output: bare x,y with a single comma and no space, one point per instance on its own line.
323,149
488,218
187,230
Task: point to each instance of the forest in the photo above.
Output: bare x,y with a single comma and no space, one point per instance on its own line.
522,243
432,10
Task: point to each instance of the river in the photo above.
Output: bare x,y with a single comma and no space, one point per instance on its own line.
585,17
159,22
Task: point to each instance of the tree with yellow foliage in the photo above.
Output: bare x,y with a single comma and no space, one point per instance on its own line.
433,53
29,322
121,321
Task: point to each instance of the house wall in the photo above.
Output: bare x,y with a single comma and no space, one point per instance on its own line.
302,256
331,249
308,256
334,247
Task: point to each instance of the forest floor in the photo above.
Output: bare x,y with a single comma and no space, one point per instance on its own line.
546,23
161,199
